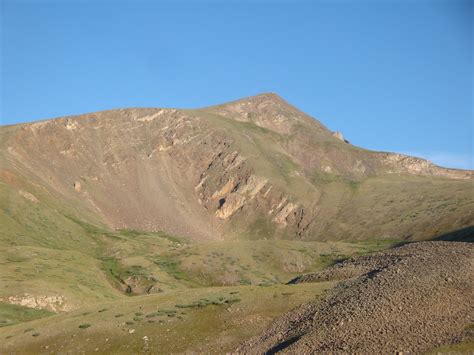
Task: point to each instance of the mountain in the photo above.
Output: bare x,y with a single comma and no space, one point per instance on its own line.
255,168
150,230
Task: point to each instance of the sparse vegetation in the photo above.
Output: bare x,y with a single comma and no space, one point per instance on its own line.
306,195
204,302
13,314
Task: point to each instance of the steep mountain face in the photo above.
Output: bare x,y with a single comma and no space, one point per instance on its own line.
255,168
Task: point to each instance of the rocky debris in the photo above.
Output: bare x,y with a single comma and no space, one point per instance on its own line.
354,267
71,125
225,190
229,183
400,163
77,186
228,206
154,289
149,118
240,194
29,196
282,215
139,285
408,299
266,110
340,136
55,303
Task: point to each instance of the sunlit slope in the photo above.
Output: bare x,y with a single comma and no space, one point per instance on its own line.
212,319
87,264
252,169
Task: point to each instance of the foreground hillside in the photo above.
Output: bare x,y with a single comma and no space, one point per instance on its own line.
128,291
256,168
414,298
200,320
409,299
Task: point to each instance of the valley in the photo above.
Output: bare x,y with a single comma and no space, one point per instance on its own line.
150,230
131,285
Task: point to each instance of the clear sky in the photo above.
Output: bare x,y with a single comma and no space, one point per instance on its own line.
391,75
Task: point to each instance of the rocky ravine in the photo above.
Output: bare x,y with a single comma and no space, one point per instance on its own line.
408,299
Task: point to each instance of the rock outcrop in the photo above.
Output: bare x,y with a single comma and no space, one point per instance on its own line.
340,136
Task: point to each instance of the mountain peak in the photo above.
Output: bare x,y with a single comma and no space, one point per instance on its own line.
266,97
267,110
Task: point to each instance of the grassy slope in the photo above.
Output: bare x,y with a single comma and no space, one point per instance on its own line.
11,314
401,205
389,206
237,313
45,251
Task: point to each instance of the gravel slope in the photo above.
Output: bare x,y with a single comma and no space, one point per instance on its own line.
408,299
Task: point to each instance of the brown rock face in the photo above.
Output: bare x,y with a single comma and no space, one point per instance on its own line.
252,168
340,136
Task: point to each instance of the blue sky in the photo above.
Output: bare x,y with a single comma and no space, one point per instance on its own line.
391,75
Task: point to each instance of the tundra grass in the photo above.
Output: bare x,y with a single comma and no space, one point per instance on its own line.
11,314
195,320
